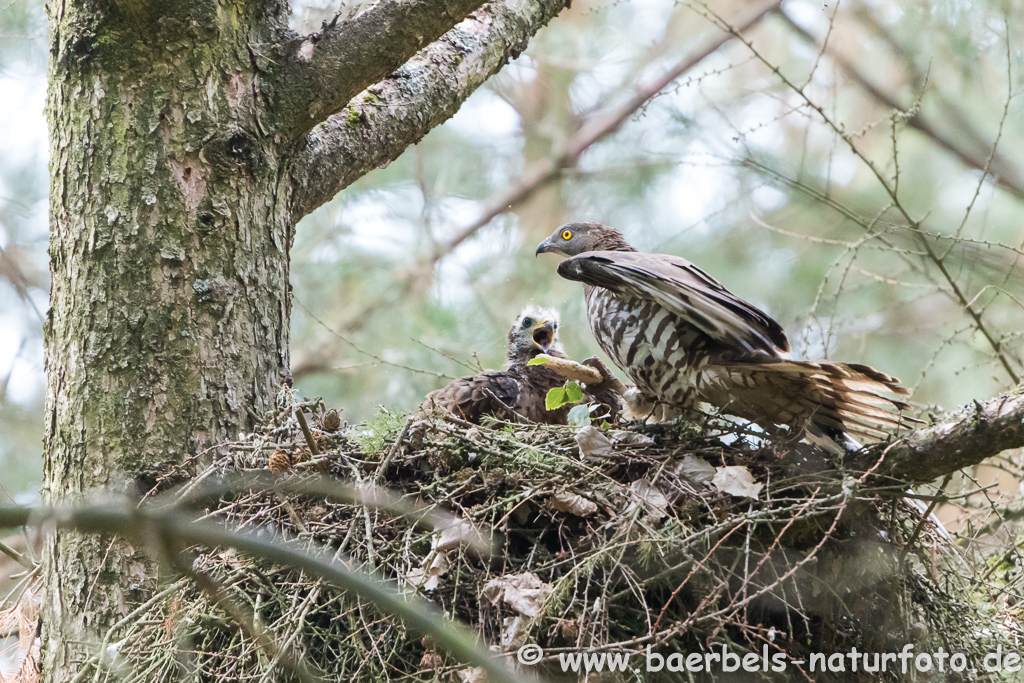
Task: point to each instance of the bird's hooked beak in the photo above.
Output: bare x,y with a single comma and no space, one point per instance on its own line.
543,335
546,246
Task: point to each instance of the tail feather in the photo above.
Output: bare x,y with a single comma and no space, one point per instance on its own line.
836,398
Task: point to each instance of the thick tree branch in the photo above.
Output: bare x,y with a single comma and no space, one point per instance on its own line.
426,91
976,433
325,70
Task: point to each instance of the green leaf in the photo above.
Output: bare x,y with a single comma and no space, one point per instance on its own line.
580,416
556,398
560,396
539,360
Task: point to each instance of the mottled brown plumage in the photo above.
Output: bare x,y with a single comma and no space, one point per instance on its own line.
683,338
516,393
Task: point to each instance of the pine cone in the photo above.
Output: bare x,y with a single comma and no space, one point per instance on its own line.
280,462
331,420
301,455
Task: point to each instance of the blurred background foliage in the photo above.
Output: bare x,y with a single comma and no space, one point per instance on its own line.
732,167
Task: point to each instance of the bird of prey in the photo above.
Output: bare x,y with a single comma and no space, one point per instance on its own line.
684,338
519,391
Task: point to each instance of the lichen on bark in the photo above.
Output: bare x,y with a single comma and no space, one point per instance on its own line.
174,184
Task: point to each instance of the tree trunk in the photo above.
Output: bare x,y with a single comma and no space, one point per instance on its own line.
168,325
186,140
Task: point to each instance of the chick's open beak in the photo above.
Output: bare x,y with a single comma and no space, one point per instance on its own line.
544,335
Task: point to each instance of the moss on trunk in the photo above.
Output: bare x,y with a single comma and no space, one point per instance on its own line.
169,254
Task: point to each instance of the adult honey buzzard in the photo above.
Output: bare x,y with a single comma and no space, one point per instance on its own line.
682,337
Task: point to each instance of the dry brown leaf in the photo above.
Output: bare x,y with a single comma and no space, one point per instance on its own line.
624,436
473,674
455,532
594,443
697,470
514,633
737,481
650,495
428,577
567,501
525,593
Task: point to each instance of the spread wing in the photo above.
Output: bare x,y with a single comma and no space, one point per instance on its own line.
470,398
684,289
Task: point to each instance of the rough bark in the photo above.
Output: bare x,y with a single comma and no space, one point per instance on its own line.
976,433
381,122
172,187
322,72
169,233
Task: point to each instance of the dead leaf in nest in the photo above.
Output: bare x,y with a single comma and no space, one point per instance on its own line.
431,661
567,501
594,443
371,493
697,470
514,632
737,481
521,512
429,577
650,495
525,593
455,532
474,674
570,628
624,436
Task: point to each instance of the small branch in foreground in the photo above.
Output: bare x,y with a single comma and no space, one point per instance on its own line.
305,432
142,523
16,556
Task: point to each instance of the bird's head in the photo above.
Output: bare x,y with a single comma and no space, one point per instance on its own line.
535,330
576,238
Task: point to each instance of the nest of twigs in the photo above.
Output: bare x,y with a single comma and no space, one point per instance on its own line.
650,538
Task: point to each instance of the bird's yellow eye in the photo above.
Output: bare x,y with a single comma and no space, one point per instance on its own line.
567,234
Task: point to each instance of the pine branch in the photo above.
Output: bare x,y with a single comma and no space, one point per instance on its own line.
323,71
607,123
427,90
965,142
975,433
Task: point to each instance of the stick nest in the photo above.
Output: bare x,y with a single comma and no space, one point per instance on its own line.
640,537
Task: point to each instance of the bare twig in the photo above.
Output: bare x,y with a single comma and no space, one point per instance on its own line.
1006,174
546,171
305,432
954,289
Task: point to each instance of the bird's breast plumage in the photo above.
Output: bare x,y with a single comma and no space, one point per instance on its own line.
660,352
